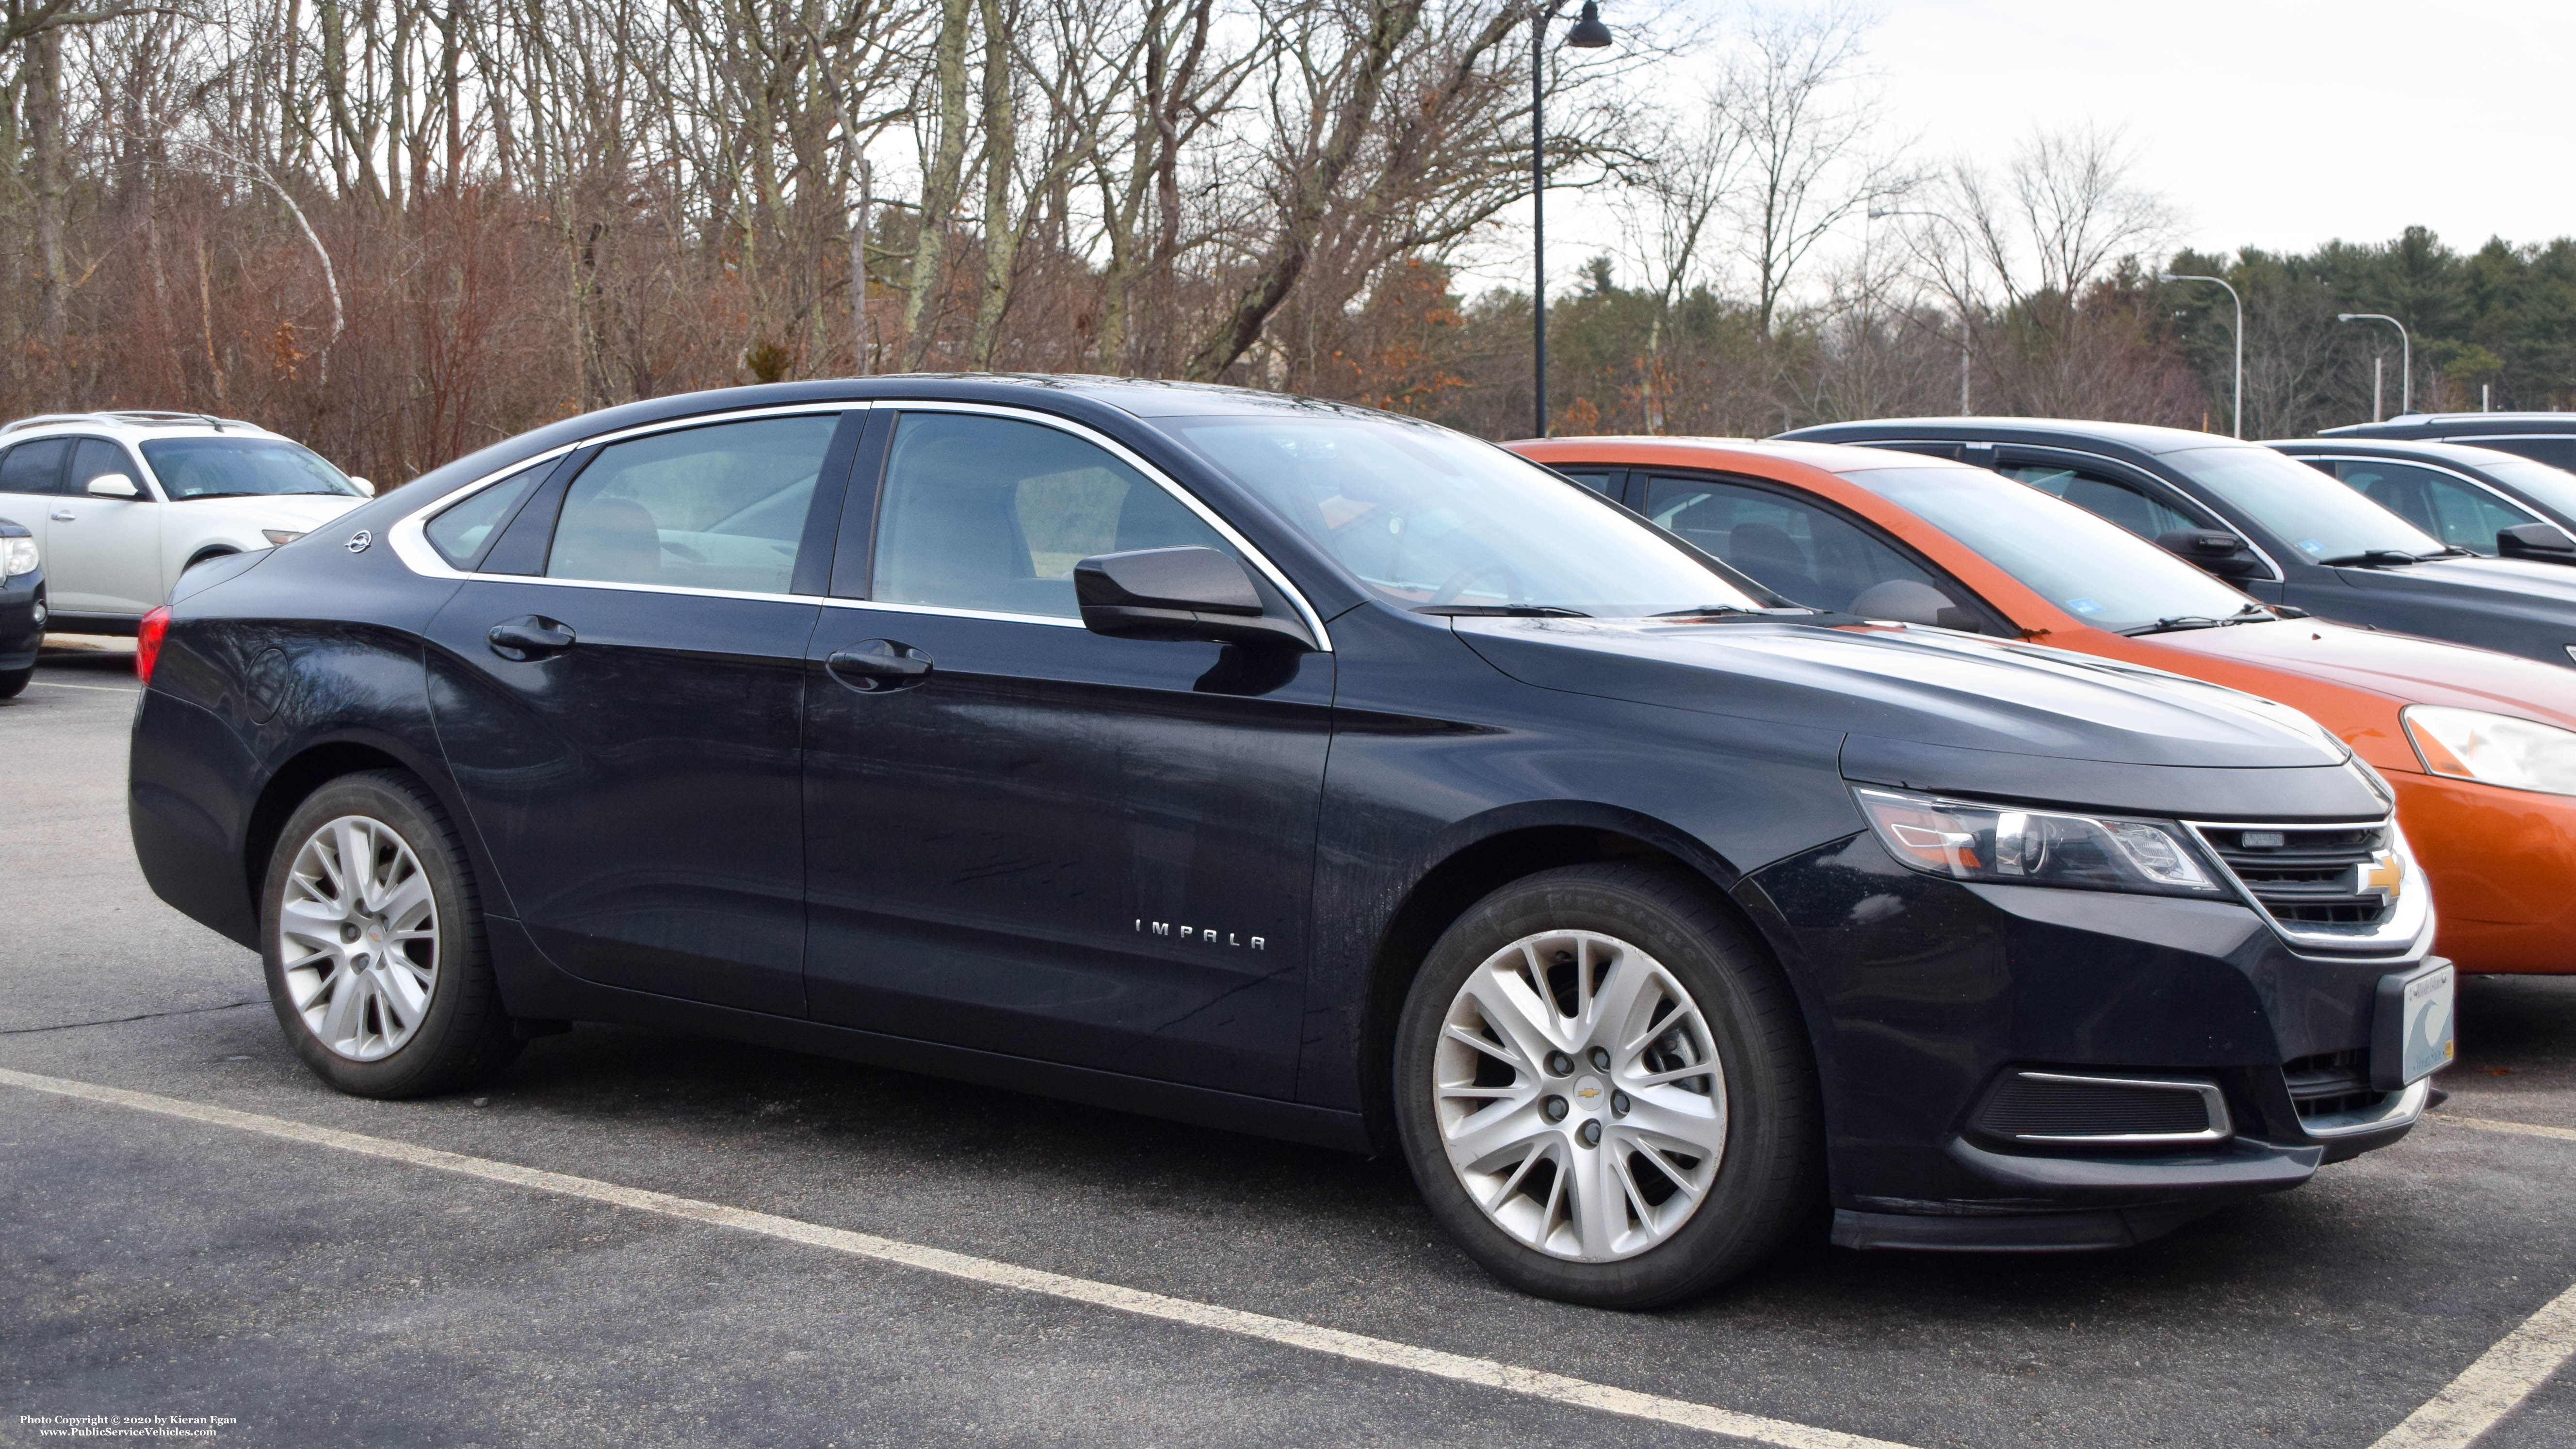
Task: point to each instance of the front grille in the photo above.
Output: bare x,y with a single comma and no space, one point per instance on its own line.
2309,875
2048,1107
2332,1083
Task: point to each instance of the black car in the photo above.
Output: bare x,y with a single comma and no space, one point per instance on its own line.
2481,499
1296,769
2548,437
2273,527
22,606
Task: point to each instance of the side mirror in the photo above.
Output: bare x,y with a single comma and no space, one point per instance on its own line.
1908,601
113,485
2536,540
2214,549
1177,593
364,486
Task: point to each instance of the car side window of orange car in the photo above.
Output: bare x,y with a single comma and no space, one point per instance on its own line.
1808,552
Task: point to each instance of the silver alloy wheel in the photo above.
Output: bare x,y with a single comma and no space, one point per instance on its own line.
358,937
1579,1095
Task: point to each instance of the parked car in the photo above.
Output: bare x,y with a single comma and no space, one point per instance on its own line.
2480,499
2480,746
2547,437
2273,527
22,606
122,503
1291,768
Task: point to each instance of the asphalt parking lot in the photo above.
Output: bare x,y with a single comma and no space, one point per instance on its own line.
207,1240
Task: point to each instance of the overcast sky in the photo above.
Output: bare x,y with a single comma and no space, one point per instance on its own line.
2271,123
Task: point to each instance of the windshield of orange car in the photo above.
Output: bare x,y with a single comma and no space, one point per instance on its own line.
2094,569
1433,519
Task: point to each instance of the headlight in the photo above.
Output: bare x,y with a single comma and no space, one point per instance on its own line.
281,535
2496,749
1968,841
17,556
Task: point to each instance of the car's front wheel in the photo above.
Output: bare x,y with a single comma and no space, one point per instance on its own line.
12,681
1604,1088
374,943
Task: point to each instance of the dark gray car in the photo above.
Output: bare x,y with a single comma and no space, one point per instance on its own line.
2482,499
2549,437
2277,528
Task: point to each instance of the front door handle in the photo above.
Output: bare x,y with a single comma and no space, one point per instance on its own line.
873,666
65,515
531,636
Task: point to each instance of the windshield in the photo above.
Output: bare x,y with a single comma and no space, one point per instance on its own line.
2092,568
235,467
2319,517
2551,488
1431,518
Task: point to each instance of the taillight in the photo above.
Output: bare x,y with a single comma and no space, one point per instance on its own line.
147,642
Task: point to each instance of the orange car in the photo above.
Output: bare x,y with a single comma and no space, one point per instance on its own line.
2480,746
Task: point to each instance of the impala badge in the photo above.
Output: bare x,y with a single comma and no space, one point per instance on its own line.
359,540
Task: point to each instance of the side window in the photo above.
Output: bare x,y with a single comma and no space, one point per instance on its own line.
2116,499
460,532
35,467
96,458
2456,512
1597,482
992,514
718,507
2556,452
1816,557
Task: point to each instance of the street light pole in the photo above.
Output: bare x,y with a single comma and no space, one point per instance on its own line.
1588,34
1878,214
2405,357
2240,339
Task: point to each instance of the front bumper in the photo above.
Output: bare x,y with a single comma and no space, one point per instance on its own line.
22,620
1925,994
2500,861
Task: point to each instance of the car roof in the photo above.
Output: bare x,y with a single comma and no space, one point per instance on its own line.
2413,424
2142,437
2466,455
1683,451
134,424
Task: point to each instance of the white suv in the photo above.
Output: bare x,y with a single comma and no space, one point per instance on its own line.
122,503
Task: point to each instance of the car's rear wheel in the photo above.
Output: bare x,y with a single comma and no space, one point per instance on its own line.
1604,1088
374,946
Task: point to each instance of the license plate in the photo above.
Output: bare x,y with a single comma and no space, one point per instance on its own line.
2412,1026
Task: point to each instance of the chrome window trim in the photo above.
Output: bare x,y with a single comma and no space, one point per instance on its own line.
2408,929
2402,1108
2213,1104
2278,574
408,536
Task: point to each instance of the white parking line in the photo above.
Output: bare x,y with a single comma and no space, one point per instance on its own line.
2496,1124
101,688
2489,1389
1485,1373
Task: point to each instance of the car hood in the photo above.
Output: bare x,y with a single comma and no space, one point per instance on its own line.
2402,667
302,511
1932,709
2523,578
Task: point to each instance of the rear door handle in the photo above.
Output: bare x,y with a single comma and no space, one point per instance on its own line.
873,666
65,515
531,636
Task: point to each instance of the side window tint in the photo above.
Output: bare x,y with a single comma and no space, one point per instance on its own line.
1597,482
460,532
992,514
2119,501
35,467
2455,512
96,458
1818,558
719,507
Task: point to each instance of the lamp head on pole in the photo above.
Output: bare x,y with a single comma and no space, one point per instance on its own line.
1588,32
2346,316
2167,277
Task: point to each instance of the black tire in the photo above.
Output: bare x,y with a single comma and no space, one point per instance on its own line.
14,681
1768,1177
463,1035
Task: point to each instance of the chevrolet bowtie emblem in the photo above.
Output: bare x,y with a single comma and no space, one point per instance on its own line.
2382,876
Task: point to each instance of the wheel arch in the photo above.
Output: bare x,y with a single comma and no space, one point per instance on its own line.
316,762
1482,857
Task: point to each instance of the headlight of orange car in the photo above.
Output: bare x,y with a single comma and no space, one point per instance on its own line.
2495,749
